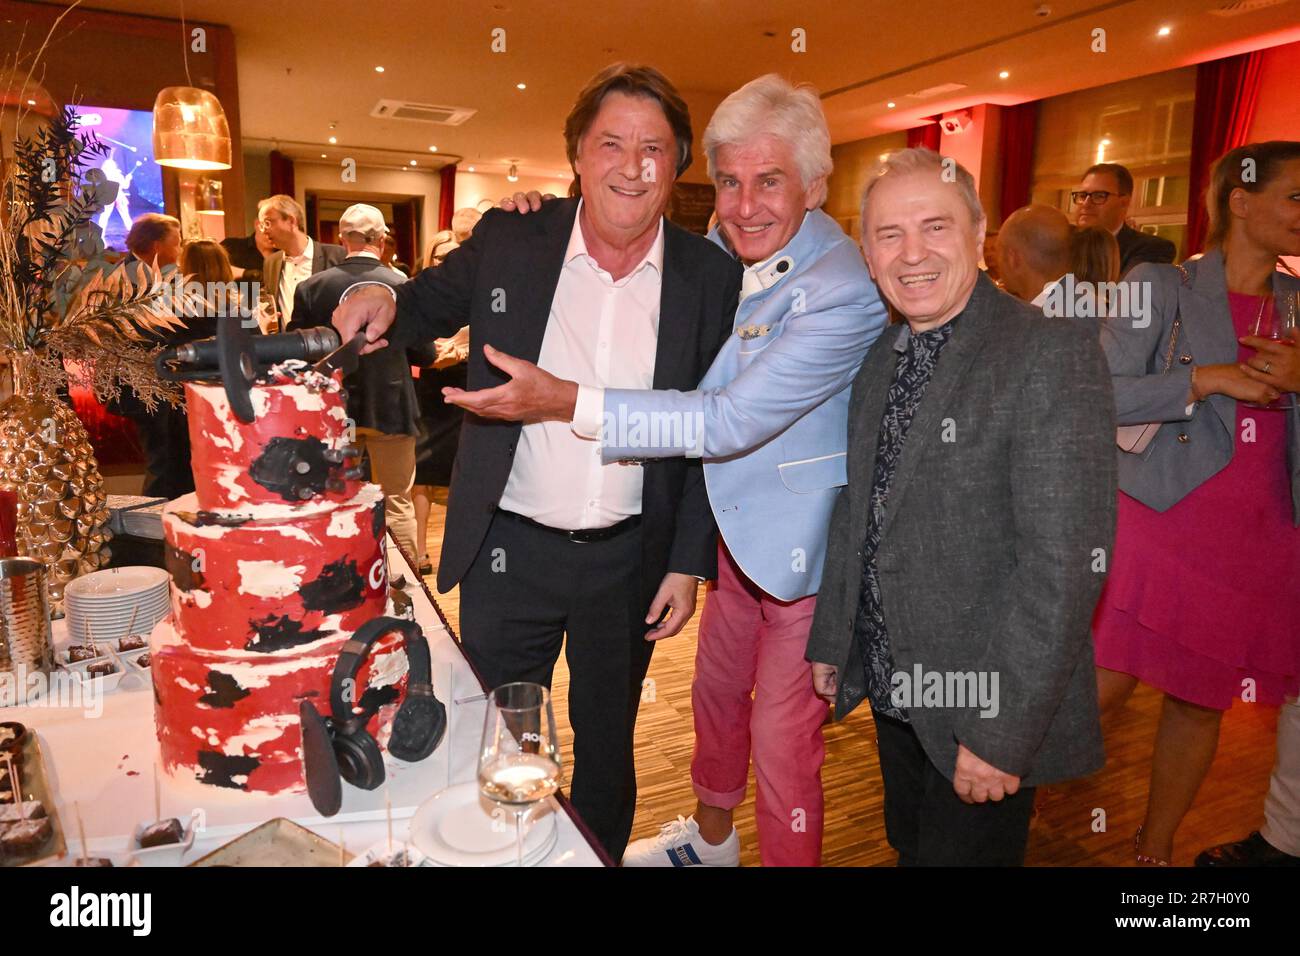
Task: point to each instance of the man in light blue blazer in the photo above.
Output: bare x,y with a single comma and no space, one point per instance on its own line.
770,421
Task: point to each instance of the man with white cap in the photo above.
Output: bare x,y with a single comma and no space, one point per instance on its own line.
381,392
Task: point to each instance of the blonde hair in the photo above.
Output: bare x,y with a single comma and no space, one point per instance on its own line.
1094,255
286,206
1230,172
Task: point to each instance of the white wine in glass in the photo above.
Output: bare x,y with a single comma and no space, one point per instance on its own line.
519,761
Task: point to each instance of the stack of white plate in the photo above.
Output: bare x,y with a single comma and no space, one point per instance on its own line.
460,827
101,605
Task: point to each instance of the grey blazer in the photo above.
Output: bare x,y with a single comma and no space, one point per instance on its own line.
1187,450
989,555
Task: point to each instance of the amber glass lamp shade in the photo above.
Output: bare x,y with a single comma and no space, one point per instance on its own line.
190,129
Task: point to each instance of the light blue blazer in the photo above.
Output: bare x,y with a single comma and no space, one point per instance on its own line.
770,416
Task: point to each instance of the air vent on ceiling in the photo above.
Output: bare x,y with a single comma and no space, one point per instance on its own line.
1234,8
939,90
422,112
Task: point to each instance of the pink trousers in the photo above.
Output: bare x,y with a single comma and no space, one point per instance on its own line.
753,697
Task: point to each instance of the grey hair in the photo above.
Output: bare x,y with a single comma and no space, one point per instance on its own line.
286,206
773,105
918,159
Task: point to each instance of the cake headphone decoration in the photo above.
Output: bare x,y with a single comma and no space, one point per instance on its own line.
339,747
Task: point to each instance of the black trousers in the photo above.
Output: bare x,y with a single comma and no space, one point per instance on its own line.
165,436
529,588
929,825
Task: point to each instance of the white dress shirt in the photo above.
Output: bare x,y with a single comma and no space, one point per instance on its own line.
296,268
598,331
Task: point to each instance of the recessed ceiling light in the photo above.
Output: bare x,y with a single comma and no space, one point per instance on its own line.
433,149
31,102
469,169
333,140
379,69
322,155
891,104
412,162
1003,75
1163,32
521,86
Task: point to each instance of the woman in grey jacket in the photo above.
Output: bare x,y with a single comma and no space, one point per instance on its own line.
1202,601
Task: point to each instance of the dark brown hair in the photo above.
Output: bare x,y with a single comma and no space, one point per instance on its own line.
1122,176
643,81
1094,255
206,261
1263,160
149,228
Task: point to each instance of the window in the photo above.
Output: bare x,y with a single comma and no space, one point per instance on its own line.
1144,123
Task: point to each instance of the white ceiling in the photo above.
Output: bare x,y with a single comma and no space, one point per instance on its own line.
307,63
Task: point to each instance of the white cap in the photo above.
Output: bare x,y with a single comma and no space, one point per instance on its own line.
361,218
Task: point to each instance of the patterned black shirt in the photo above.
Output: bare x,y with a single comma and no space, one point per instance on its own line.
919,354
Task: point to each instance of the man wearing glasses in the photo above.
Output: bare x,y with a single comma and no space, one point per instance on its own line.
1102,199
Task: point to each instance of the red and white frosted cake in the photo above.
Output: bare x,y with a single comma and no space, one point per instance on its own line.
275,559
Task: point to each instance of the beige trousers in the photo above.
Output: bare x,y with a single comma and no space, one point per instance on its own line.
392,468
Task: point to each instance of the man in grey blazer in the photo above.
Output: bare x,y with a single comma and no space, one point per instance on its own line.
969,549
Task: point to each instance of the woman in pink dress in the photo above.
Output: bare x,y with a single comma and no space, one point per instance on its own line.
1203,599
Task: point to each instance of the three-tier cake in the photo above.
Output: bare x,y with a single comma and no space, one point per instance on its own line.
275,560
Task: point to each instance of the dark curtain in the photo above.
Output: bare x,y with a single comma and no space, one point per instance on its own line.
446,196
927,135
1227,92
281,174
1016,146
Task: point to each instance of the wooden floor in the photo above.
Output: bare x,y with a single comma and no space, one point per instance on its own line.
1065,830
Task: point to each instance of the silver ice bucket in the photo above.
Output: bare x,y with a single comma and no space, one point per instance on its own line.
25,640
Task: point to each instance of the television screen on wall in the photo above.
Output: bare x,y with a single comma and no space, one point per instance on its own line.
129,162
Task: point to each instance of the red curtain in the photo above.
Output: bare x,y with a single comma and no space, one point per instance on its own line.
281,174
927,135
1016,147
1227,92
446,195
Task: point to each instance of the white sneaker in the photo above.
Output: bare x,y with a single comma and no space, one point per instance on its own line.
679,844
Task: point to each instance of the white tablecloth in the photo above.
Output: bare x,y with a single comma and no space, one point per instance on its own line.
106,765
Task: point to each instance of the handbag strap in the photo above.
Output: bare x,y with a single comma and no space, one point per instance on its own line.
1177,326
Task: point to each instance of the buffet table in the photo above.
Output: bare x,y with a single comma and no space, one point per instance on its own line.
105,764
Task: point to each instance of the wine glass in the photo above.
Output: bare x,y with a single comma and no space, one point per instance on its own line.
1276,322
519,760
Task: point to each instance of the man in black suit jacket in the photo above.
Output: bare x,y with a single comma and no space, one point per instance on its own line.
545,541
297,256
1103,198
381,392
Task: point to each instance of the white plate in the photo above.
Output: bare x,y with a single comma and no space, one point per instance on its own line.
117,581
457,827
97,615
531,857
161,596
102,607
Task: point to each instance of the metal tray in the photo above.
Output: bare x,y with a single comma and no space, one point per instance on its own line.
36,787
278,842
